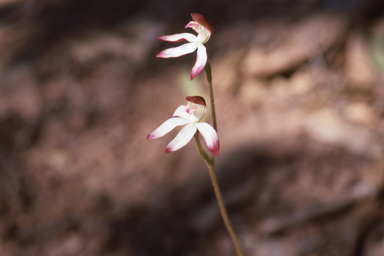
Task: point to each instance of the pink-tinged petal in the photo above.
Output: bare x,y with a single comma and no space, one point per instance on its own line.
178,51
203,21
201,60
166,127
194,25
210,136
182,138
179,38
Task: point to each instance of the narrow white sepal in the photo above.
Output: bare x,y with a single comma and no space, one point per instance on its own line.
179,37
167,126
182,138
178,51
201,60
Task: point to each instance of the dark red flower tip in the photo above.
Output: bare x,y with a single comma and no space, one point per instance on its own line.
196,99
203,21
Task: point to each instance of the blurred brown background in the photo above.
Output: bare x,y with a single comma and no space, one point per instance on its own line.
299,88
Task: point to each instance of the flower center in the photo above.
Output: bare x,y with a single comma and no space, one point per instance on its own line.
196,111
191,109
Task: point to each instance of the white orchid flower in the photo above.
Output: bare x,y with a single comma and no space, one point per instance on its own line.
190,116
204,29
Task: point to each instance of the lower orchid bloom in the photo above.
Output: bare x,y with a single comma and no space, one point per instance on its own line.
190,116
204,29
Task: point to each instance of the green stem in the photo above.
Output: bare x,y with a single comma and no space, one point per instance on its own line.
204,155
209,78
211,167
219,197
223,211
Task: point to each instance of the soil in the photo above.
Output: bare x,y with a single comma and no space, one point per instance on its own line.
299,93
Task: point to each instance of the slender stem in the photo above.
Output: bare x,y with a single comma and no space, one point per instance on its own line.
209,78
204,155
223,211
211,168
219,197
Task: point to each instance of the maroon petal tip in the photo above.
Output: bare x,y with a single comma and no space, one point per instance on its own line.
203,21
215,152
196,99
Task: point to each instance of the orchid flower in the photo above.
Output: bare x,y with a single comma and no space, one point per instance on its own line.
204,29
190,116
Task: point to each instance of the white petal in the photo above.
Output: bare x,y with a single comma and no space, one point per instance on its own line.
178,51
167,126
179,37
201,60
181,112
194,25
182,138
203,32
210,136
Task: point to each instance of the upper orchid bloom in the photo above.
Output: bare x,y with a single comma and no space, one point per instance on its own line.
190,116
204,29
